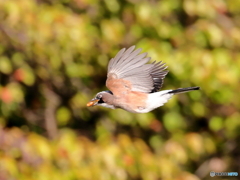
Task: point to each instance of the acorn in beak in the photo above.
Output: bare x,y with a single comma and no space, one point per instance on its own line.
93,102
134,85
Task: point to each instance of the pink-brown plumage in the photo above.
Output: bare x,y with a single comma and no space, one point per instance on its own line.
133,84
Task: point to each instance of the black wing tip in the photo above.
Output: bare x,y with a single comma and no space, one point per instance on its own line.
158,73
182,90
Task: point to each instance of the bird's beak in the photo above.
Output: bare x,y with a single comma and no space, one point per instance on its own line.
92,102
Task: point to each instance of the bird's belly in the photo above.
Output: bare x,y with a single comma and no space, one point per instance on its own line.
134,102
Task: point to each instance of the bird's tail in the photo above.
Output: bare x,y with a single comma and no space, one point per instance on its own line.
183,90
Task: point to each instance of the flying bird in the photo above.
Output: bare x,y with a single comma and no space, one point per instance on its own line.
133,84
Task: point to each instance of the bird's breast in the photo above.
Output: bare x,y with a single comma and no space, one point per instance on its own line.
132,101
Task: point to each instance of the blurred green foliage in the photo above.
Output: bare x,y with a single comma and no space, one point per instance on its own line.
53,59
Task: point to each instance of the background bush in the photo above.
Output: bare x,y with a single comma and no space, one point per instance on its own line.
53,59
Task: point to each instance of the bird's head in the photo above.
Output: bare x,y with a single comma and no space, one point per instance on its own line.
103,98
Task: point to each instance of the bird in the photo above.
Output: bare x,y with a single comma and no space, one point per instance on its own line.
134,85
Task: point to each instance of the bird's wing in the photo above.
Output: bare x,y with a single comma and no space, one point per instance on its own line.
128,71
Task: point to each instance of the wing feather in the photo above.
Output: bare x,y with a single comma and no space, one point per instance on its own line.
114,60
128,71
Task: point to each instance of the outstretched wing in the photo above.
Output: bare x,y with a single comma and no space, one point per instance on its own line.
128,71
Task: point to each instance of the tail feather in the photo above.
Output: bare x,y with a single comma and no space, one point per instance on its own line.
183,90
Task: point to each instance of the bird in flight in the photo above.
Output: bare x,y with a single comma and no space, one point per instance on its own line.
134,85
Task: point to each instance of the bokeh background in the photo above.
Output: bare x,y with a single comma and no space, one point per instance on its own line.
53,59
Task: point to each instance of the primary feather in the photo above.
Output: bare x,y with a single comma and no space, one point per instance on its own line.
131,66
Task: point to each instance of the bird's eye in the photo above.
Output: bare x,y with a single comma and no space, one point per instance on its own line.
99,96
